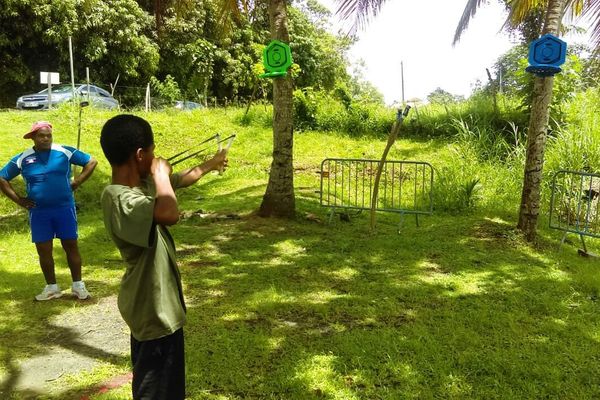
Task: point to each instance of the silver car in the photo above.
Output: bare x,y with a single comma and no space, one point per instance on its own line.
98,97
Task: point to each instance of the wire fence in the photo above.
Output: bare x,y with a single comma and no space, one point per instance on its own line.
406,187
574,205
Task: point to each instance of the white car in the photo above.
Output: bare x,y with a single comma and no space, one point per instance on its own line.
97,97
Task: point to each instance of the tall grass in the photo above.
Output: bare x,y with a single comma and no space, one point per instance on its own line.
332,113
576,144
488,143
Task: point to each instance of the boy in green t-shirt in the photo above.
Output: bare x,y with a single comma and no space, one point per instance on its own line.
138,205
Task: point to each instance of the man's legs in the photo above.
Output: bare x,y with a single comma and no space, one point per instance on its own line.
73,257
51,291
62,223
44,250
65,227
74,260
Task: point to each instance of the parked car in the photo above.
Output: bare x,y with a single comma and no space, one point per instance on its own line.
97,97
187,105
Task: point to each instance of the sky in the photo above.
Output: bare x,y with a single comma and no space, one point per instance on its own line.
419,35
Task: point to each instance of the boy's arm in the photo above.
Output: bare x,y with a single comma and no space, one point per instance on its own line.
166,211
191,175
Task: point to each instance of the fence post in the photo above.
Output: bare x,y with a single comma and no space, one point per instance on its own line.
391,139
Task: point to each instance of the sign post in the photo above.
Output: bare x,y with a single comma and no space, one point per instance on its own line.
50,78
72,70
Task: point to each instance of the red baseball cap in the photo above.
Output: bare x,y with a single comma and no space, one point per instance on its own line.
37,126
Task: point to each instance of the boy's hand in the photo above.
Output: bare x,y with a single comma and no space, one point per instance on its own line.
160,166
219,161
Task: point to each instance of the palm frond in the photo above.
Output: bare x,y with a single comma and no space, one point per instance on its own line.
468,13
573,9
228,13
520,9
591,12
357,13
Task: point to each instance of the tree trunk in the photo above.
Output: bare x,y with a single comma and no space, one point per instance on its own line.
279,200
536,134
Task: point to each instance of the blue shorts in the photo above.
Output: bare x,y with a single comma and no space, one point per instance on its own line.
49,223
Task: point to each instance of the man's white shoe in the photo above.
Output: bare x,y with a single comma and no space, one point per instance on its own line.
81,292
49,294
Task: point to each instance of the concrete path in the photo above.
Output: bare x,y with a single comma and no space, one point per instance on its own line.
83,338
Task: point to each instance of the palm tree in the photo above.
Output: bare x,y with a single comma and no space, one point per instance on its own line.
279,199
357,12
554,11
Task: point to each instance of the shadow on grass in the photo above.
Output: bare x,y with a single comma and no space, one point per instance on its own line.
303,310
34,332
459,307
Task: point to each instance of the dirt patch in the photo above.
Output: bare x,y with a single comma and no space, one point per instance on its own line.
80,339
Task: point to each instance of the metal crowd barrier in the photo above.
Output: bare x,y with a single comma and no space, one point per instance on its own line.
405,187
574,205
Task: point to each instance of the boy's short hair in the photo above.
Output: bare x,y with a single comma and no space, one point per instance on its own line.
122,135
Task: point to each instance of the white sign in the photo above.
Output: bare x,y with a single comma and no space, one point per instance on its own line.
53,77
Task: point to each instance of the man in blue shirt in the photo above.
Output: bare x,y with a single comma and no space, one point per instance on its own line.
46,169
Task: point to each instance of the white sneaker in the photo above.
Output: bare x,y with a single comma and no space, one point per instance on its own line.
49,294
80,292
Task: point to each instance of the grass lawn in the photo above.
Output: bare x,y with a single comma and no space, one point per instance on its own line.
460,307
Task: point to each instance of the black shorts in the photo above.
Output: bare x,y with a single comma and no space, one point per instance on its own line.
159,368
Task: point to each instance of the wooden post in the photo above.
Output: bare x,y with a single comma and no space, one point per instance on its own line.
402,78
391,139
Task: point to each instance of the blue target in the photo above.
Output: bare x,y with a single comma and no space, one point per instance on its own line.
546,55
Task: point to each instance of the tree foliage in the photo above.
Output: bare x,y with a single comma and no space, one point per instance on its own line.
515,82
440,96
135,41
110,37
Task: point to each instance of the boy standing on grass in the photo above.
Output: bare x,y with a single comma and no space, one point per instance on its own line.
138,205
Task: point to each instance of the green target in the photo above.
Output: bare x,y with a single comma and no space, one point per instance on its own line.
277,58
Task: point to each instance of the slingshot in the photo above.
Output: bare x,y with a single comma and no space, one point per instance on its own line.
177,158
220,146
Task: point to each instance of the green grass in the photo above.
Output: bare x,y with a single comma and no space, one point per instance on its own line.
459,307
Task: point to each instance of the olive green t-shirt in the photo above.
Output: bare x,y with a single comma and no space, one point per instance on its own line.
151,298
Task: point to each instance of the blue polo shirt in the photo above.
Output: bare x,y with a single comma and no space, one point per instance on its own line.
47,174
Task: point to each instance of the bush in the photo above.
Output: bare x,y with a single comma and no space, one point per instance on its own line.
331,115
305,109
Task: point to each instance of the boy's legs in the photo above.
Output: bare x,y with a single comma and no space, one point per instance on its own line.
159,368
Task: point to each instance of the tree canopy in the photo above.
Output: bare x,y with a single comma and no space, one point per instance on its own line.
128,39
